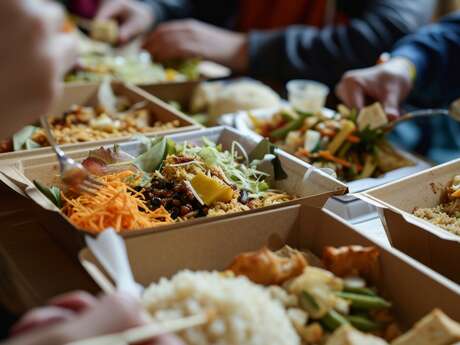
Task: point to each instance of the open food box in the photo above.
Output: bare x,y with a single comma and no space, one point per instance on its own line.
167,118
310,186
413,289
426,242
347,206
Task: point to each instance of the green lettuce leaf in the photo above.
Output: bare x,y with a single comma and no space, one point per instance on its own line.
265,147
53,193
22,137
152,159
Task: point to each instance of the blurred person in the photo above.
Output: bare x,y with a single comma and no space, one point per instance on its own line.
134,17
78,315
35,56
280,39
423,69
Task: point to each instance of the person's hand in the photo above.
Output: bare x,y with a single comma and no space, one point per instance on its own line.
134,17
389,83
190,38
35,55
78,315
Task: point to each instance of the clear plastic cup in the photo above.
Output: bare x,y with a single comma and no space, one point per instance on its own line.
307,95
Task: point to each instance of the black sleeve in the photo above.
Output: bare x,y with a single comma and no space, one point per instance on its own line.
170,9
325,54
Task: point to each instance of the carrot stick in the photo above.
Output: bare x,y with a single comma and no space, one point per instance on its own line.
328,156
353,139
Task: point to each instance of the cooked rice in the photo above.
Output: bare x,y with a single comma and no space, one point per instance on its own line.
245,313
441,216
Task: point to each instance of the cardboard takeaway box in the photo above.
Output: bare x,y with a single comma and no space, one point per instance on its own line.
311,185
420,239
87,95
413,288
347,206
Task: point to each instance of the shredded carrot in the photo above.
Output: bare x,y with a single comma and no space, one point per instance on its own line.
328,156
353,139
115,205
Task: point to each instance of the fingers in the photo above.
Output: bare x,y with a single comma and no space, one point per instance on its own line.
41,317
130,28
112,313
171,41
110,10
351,92
76,301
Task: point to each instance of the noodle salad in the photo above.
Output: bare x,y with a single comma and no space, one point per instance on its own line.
172,182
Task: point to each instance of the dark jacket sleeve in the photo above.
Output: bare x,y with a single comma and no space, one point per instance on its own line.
435,51
325,54
170,9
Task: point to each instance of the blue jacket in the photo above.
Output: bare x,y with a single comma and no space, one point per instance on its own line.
435,51
301,51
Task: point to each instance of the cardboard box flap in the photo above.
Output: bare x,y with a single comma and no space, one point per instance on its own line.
212,246
423,190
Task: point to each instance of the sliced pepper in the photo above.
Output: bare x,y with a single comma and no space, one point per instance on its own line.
210,190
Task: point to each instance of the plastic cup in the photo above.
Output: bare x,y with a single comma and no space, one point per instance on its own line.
307,95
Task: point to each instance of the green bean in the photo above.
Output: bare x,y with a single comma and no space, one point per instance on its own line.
360,290
333,320
293,125
364,301
309,300
363,323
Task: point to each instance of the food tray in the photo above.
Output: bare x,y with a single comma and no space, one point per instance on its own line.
348,207
418,238
313,186
413,288
87,95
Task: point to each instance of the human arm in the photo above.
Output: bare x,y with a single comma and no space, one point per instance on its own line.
325,54
78,315
423,64
35,57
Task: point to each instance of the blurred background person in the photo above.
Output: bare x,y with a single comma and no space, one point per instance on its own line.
423,69
35,56
78,315
281,40
268,39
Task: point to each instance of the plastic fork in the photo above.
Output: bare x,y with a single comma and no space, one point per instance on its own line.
73,174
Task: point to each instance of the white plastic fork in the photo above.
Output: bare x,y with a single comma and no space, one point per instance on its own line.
73,174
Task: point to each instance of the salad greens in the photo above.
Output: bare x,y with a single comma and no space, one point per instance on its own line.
23,139
53,193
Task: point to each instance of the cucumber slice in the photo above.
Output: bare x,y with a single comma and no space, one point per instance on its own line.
312,140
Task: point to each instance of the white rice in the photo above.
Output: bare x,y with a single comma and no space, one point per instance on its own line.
245,313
